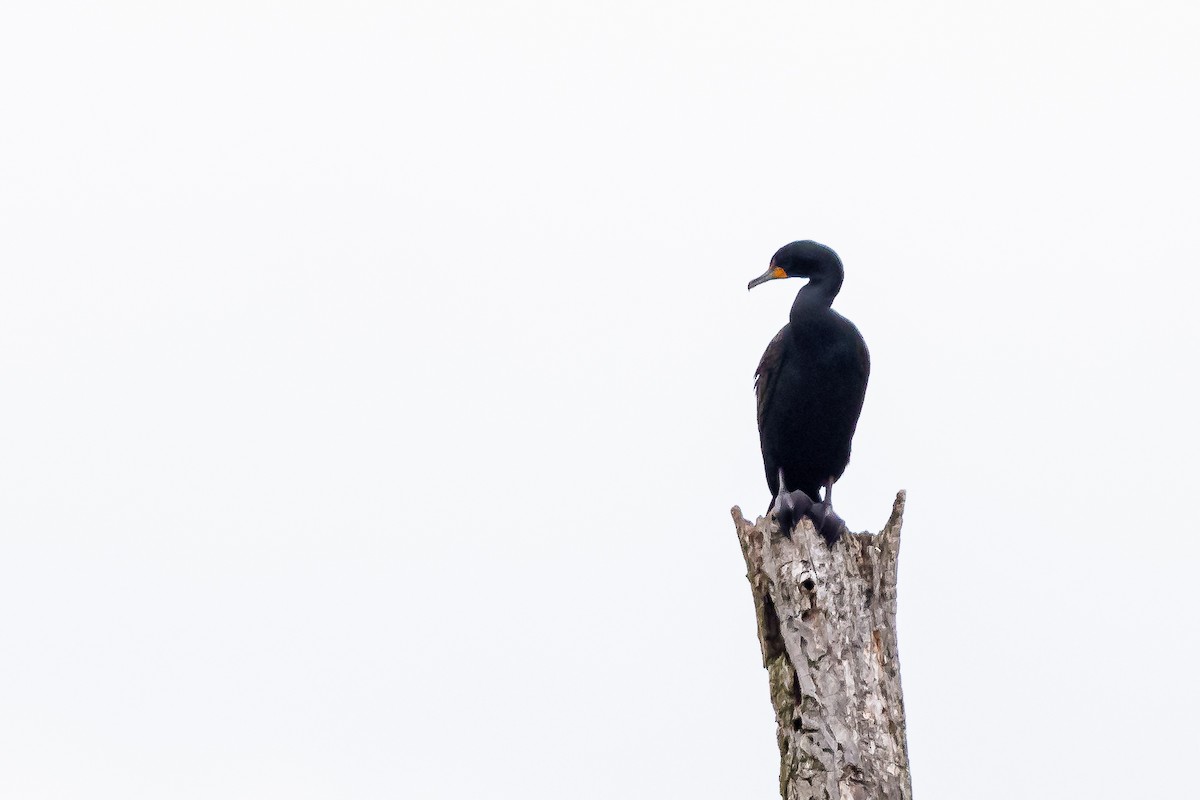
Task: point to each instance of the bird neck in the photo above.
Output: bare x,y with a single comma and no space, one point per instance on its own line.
818,292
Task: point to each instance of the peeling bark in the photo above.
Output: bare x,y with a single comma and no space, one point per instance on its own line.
827,627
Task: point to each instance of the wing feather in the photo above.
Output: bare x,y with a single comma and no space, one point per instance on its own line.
768,369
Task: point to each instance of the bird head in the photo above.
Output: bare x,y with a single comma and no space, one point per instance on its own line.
806,259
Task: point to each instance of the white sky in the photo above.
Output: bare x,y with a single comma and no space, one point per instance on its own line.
375,381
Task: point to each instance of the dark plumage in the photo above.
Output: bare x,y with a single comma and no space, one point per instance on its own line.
811,381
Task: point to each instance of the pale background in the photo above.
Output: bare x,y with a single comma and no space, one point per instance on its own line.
375,381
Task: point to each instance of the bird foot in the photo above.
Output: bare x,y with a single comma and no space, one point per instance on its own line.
827,522
791,506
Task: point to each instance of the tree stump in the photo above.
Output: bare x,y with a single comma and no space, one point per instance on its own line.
827,627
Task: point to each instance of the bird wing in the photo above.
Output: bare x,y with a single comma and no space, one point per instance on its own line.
864,358
768,369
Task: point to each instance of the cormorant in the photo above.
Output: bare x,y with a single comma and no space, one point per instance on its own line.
810,385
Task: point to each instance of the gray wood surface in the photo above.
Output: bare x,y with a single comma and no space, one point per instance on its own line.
827,627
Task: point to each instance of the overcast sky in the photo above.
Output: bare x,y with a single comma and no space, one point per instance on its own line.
376,379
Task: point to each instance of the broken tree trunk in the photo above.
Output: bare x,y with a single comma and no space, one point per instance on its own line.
827,627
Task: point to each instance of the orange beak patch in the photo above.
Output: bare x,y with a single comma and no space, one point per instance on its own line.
779,272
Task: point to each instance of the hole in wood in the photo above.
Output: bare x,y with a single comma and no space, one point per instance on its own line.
772,637
797,720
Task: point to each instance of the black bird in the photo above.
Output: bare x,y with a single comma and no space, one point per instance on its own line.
810,385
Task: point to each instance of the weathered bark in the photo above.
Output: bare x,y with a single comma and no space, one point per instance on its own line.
827,627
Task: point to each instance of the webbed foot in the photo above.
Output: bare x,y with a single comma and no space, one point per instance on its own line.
827,522
789,507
